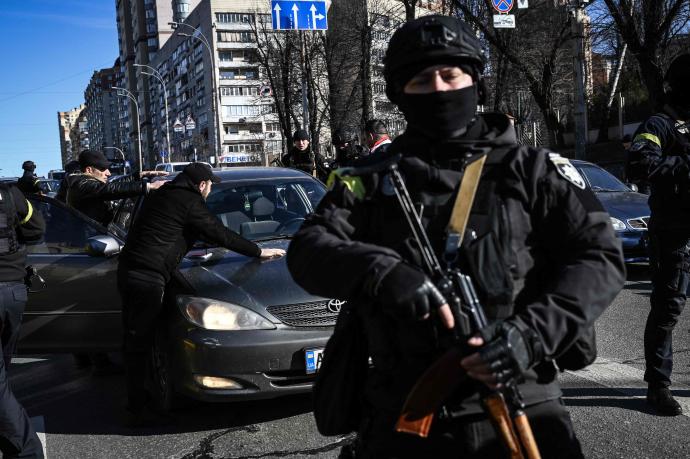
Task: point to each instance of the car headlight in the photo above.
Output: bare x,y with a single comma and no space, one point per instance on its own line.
617,224
219,315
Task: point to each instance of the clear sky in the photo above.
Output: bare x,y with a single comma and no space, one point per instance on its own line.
50,49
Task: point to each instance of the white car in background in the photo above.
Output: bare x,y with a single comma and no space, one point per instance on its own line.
174,167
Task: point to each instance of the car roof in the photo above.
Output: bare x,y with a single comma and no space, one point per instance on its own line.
579,162
252,173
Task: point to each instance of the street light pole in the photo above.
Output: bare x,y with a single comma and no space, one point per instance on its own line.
136,105
121,152
214,103
156,74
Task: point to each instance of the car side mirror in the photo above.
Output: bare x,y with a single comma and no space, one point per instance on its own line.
102,246
633,187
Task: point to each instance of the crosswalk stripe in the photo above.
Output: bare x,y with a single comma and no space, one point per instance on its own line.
25,360
40,427
627,380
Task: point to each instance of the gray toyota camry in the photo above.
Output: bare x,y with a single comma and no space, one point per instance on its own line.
235,327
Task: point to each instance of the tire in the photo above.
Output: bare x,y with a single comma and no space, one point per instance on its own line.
161,385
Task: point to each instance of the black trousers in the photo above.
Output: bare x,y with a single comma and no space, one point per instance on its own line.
470,437
142,305
670,265
17,437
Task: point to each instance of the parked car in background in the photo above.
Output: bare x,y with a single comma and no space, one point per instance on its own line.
49,187
56,174
628,209
173,167
235,327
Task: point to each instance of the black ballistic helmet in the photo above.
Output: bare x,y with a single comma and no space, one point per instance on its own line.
426,41
341,136
29,166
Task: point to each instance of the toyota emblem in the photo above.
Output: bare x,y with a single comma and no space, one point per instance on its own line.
335,305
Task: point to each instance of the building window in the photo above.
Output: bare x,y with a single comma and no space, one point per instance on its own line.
272,127
240,110
233,18
239,74
244,148
239,91
237,37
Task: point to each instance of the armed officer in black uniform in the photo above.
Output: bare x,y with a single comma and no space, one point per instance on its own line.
539,246
28,182
660,155
300,155
347,147
19,225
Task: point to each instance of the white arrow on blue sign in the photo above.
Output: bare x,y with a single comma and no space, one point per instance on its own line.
299,14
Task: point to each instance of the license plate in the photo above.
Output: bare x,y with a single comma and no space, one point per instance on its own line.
313,359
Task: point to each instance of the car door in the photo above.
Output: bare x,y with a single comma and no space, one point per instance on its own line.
79,307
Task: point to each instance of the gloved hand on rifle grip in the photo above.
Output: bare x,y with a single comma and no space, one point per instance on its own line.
508,351
408,294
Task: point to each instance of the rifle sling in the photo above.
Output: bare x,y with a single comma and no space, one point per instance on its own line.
465,199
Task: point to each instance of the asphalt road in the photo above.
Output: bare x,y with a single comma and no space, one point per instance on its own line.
79,415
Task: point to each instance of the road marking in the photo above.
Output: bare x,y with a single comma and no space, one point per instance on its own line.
627,380
25,360
40,427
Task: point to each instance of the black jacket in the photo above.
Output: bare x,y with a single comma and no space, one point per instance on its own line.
28,183
660,154
555,242
170,221
29,226
93,197
299,159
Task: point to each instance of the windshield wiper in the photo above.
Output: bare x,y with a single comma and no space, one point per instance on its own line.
274,237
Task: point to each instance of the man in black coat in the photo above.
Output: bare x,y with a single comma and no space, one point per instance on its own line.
539,247
90,192
167,226
20,225
660,156
300,155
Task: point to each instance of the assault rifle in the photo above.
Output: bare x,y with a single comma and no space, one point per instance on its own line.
504,407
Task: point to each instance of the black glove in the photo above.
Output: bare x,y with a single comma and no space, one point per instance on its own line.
407,294
510,349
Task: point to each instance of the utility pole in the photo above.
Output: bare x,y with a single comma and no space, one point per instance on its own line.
577,15
305,99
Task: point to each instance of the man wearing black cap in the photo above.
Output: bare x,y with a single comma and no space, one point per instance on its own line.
539,248
90,192
300,155
660,156
28,182
167,226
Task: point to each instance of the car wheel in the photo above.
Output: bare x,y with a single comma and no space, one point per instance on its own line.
161,382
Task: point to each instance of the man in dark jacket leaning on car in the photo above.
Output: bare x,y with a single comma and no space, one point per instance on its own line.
169,223
90,192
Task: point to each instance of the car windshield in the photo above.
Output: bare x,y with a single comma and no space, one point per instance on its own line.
48,185
260,210
601,180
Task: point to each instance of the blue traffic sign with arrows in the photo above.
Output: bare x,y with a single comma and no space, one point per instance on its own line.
299,15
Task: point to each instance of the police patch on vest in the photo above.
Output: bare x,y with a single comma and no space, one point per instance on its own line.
566,170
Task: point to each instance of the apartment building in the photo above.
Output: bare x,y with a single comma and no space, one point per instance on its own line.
143,27
66,122
79,135
233,113
103,112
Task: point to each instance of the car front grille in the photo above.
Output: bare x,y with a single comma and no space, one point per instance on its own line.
315,314
639,223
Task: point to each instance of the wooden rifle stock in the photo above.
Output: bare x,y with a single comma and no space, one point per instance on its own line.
524,431
497,409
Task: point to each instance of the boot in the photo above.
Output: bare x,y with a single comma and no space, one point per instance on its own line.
661,399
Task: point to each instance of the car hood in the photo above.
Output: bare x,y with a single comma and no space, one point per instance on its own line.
625,204
246,281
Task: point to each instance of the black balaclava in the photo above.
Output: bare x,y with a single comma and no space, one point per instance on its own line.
677,78
440,115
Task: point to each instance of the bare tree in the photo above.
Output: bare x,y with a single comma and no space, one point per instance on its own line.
539,54
647,27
